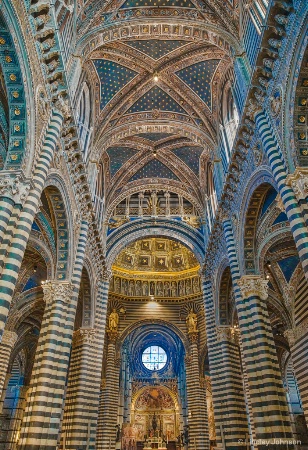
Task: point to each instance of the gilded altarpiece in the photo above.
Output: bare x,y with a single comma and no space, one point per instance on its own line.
160,401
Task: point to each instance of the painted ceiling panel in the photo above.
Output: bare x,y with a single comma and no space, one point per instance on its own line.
190,156
113,78
118,156
288,265
154,136
198,77
159,3
156,98
156,48
154,169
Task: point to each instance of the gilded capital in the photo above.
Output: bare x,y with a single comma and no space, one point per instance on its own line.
9,338
253,285
60,291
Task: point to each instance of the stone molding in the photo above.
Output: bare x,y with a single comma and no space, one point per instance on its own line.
57,291
9,338
298,181
253,285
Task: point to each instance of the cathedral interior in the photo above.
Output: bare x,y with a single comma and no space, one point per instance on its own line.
153,224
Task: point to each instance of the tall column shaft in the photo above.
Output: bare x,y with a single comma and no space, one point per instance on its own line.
298,341
196,398
268,400
42,417
22,231
227,387
82,392
84,382
107,431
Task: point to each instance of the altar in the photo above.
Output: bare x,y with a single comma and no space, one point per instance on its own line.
154,443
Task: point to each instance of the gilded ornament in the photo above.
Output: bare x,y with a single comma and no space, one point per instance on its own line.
16,127
17,111
2,41
8,59
303,101
14,157
16,143
13,77
305,83
15,94
302,119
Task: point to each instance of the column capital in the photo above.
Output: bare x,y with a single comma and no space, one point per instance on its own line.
106,274
227,333
193,336
14,186
55,290
294,334
251,285
298,181
112,336
9,338
223,215
84,336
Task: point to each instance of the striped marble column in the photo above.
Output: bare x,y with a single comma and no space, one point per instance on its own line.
268,400
9,339
197,416
293,210
18,244
42,416
6,207
84,381
108,418
298,342
53,351
269,406
225,371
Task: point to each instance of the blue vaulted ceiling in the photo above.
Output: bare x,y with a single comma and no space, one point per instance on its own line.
288,265
158,3
113,78
199,77
154,169
154,136
156,98
190,156
118,156
156,48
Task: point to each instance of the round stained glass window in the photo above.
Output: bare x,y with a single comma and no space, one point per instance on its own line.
154,358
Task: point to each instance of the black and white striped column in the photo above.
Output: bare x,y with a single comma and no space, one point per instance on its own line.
196,398
225,371
108,418
268,400
42,416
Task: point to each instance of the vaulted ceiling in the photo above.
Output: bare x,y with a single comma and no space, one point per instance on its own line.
156,70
